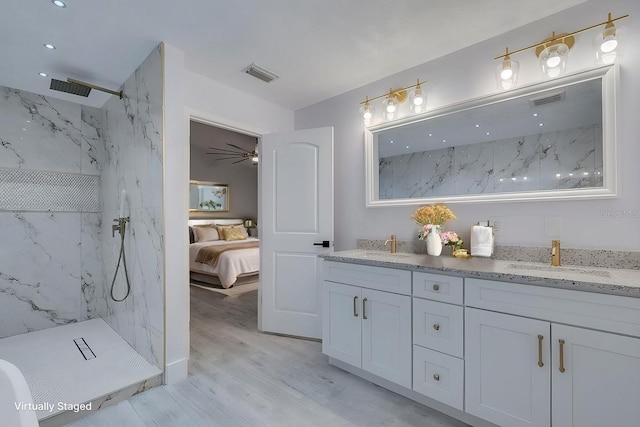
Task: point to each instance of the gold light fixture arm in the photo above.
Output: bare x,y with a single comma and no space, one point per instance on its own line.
563,36
399,94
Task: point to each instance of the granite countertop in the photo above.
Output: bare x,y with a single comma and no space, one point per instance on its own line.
579,278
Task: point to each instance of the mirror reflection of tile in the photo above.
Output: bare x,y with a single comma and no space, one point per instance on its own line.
568,158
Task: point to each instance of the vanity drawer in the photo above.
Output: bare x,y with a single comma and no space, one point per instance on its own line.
438,376
438,326
438,287
588,309
380,278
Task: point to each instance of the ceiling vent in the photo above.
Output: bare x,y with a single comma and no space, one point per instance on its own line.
548,99
261,73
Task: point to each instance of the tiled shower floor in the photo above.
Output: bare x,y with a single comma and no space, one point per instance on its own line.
57,371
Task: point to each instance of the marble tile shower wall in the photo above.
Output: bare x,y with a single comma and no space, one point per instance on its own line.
49,261
133,161
556,160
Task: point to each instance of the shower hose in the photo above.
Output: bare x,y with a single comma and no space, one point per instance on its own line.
122,257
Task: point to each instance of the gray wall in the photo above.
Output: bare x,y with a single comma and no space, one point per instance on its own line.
241,177
467,74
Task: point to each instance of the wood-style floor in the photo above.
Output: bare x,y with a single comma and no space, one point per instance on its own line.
241,377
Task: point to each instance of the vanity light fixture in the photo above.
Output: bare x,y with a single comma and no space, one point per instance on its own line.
553,52
507,72
608,44
367,112
392,101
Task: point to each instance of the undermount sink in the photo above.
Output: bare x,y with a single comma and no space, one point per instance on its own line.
548,268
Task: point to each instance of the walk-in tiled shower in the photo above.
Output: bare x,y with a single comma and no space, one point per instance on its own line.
63,166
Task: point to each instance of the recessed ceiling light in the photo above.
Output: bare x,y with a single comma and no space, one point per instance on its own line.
477,126
49,46
488,133
444,140
407,146
58,3
535,114
540,124
430,134
44,74
558,175
390,142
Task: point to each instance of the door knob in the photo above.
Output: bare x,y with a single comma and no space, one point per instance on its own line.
324,244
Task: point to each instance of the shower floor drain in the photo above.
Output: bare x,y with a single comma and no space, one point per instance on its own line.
84,348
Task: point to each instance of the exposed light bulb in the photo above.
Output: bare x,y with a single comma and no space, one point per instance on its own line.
391,108
506,74
553,61
609,44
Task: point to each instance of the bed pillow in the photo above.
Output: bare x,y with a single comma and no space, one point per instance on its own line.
192,237
206,234
233,234
223,228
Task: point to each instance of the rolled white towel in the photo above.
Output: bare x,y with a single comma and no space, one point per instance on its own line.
481,241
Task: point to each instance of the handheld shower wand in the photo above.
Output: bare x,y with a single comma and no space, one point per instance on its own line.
121,227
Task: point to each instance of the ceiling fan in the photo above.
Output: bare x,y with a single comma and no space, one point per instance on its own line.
239,153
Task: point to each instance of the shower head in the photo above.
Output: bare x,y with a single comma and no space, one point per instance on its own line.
72,88
76,87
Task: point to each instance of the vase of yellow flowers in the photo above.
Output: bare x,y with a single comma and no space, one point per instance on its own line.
432,218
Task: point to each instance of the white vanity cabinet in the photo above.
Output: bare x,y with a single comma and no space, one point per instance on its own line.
438,337
366,315
516,364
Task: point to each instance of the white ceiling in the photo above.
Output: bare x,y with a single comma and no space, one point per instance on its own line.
320,48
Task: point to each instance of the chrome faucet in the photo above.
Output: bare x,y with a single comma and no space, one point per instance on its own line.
555,253
393,243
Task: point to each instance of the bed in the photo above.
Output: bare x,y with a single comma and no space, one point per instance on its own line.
236,261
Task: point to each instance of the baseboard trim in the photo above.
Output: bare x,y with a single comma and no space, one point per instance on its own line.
176,371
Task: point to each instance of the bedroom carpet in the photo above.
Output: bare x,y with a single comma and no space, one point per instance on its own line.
231,292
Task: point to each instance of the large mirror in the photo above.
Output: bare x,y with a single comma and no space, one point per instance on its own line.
553,140
208,197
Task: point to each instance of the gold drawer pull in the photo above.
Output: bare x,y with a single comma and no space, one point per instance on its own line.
540,338
436,287
436,377
355,309
561,355
436,326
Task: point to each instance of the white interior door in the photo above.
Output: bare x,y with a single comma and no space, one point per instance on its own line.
296,217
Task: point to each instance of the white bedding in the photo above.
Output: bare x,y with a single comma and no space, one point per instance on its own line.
231,264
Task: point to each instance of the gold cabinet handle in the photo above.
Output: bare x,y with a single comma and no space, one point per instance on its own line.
561,355
355,306
436,326
436,287
364,308
540,338
436,377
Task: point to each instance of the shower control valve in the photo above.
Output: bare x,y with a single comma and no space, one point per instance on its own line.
120,226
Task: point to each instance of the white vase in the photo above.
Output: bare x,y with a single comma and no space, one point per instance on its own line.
434,244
